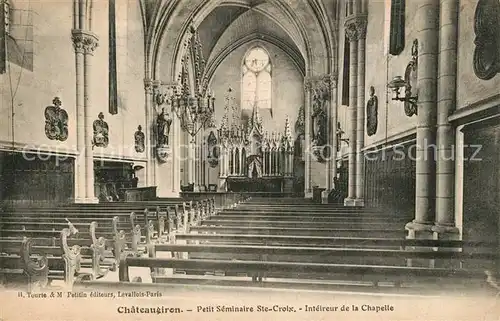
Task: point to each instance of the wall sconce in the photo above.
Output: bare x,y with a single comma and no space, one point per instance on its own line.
410,100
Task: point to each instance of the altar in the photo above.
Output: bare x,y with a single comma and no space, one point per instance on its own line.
255,184
252,160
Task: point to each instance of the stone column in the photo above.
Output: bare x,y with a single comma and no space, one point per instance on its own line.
148,132
90,43
352,34
333,130
427,18
153,171
175,145
331,169
307,138
445,140
360,21
80,176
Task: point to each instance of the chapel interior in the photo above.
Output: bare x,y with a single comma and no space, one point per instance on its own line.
250,142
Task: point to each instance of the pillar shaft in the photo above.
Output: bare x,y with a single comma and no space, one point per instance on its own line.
148,139
85,43
352,115
88,121
307,139
360,117
445,139
176,156
80,128
333,133
427,32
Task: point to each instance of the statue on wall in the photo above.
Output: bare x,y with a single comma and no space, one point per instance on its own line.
300,133
139,140
101,132
163,123
213,150
372,113
56,121
319,119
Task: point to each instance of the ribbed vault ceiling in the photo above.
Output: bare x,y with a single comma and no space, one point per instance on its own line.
230,23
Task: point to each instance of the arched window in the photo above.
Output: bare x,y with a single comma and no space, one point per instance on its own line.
237,161
256,79
243,161
231,163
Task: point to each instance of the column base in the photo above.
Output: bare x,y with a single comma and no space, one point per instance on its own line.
82,200
419,231
308,194
349,202
447,233
360,202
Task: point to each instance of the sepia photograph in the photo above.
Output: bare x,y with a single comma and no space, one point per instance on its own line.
213,160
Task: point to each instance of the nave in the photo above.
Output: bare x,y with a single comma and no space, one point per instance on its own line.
249,241
265,148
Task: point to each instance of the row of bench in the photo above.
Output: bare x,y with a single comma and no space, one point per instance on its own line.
256,244
86,241
291,245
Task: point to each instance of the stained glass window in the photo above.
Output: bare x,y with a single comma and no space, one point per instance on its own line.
256,80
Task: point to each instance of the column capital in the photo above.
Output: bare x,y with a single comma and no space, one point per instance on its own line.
355,26
157,83
148,86
84,41
333,81
325,83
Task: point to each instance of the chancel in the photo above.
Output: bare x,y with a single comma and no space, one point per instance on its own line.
252,159
321,144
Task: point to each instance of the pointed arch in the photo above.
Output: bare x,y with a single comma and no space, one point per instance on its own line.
256,78
308,19
243,160
237,161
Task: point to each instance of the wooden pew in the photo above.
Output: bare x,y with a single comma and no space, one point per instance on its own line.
111,228
299,210
344,255
337,242
91,229
291,224
257,270
299,231
64,261
310,218
19,267
207,207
